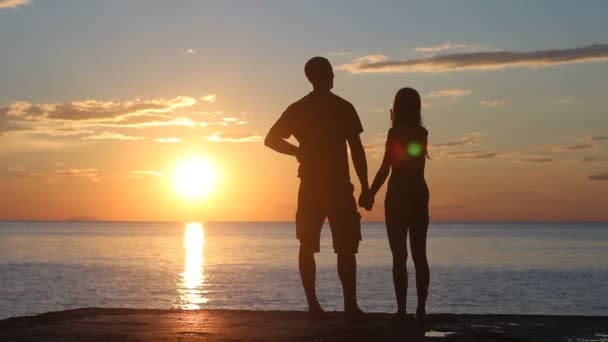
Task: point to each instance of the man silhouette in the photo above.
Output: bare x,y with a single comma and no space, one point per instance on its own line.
323,123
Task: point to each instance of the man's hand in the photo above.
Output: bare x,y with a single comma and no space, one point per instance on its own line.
366,200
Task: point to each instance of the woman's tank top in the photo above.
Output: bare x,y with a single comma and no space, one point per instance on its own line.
407,147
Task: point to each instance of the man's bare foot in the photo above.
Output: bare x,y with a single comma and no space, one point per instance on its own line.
420,314
355,314
399,316
317,314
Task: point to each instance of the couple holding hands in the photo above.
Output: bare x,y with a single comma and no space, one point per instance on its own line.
325,126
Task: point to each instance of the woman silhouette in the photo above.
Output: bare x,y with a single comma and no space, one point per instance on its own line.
407,196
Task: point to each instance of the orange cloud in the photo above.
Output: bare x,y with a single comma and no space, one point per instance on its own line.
442,47
94,109
111,136
599,177
574,147
98,120
479,154
13,3
209,98
143,173
450,92
169,140
468,140
493,103
234,137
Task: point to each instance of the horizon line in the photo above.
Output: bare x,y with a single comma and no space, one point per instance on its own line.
291,221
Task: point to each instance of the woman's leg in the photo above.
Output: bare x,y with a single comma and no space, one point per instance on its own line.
397,237
418,232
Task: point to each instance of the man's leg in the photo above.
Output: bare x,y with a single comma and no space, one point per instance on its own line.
345,224
347,270
308,275
309,222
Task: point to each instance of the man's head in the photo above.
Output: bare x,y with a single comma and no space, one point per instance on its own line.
319,72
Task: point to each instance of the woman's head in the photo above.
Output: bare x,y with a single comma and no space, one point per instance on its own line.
406,108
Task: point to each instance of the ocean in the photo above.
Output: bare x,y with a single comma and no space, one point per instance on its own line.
476,268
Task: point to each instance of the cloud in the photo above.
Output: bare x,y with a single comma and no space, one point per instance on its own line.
493,103
162,120
590,159
574,147
111,136
94,109
15,171
464,141
448,207
13,3
564,100
536,159
190,51
589,142
234,137
88,172
358,62
91,174
168,140
140,119
209,98
599,177
493,60
442,47
340,53
450,92
480,154
145,173
19,171
94,116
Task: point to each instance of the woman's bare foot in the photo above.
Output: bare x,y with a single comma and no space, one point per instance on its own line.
354,314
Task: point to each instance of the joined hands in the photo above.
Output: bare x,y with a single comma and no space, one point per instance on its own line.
366,200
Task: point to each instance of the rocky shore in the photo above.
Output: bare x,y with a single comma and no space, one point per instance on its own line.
106,324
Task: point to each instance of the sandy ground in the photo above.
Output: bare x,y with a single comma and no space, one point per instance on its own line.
96,324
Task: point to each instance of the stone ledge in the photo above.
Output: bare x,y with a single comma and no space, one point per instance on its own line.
116,324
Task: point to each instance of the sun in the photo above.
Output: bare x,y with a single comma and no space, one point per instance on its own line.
194,178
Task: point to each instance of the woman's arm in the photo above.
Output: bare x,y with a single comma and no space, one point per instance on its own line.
383,172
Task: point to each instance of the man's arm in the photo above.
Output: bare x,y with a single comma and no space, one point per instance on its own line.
276,142
280,131
359,160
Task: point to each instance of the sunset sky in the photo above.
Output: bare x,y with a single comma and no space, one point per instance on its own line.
100,101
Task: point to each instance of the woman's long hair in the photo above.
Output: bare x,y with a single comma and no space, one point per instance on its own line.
406,109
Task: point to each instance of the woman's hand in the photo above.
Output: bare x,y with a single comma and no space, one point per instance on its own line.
366,200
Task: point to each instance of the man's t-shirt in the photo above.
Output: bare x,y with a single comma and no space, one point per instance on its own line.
322,123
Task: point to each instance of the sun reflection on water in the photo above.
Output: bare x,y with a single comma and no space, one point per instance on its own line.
193,277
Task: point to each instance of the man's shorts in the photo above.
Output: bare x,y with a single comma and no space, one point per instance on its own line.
338,205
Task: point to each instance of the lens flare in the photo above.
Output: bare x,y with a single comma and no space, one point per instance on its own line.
414,149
